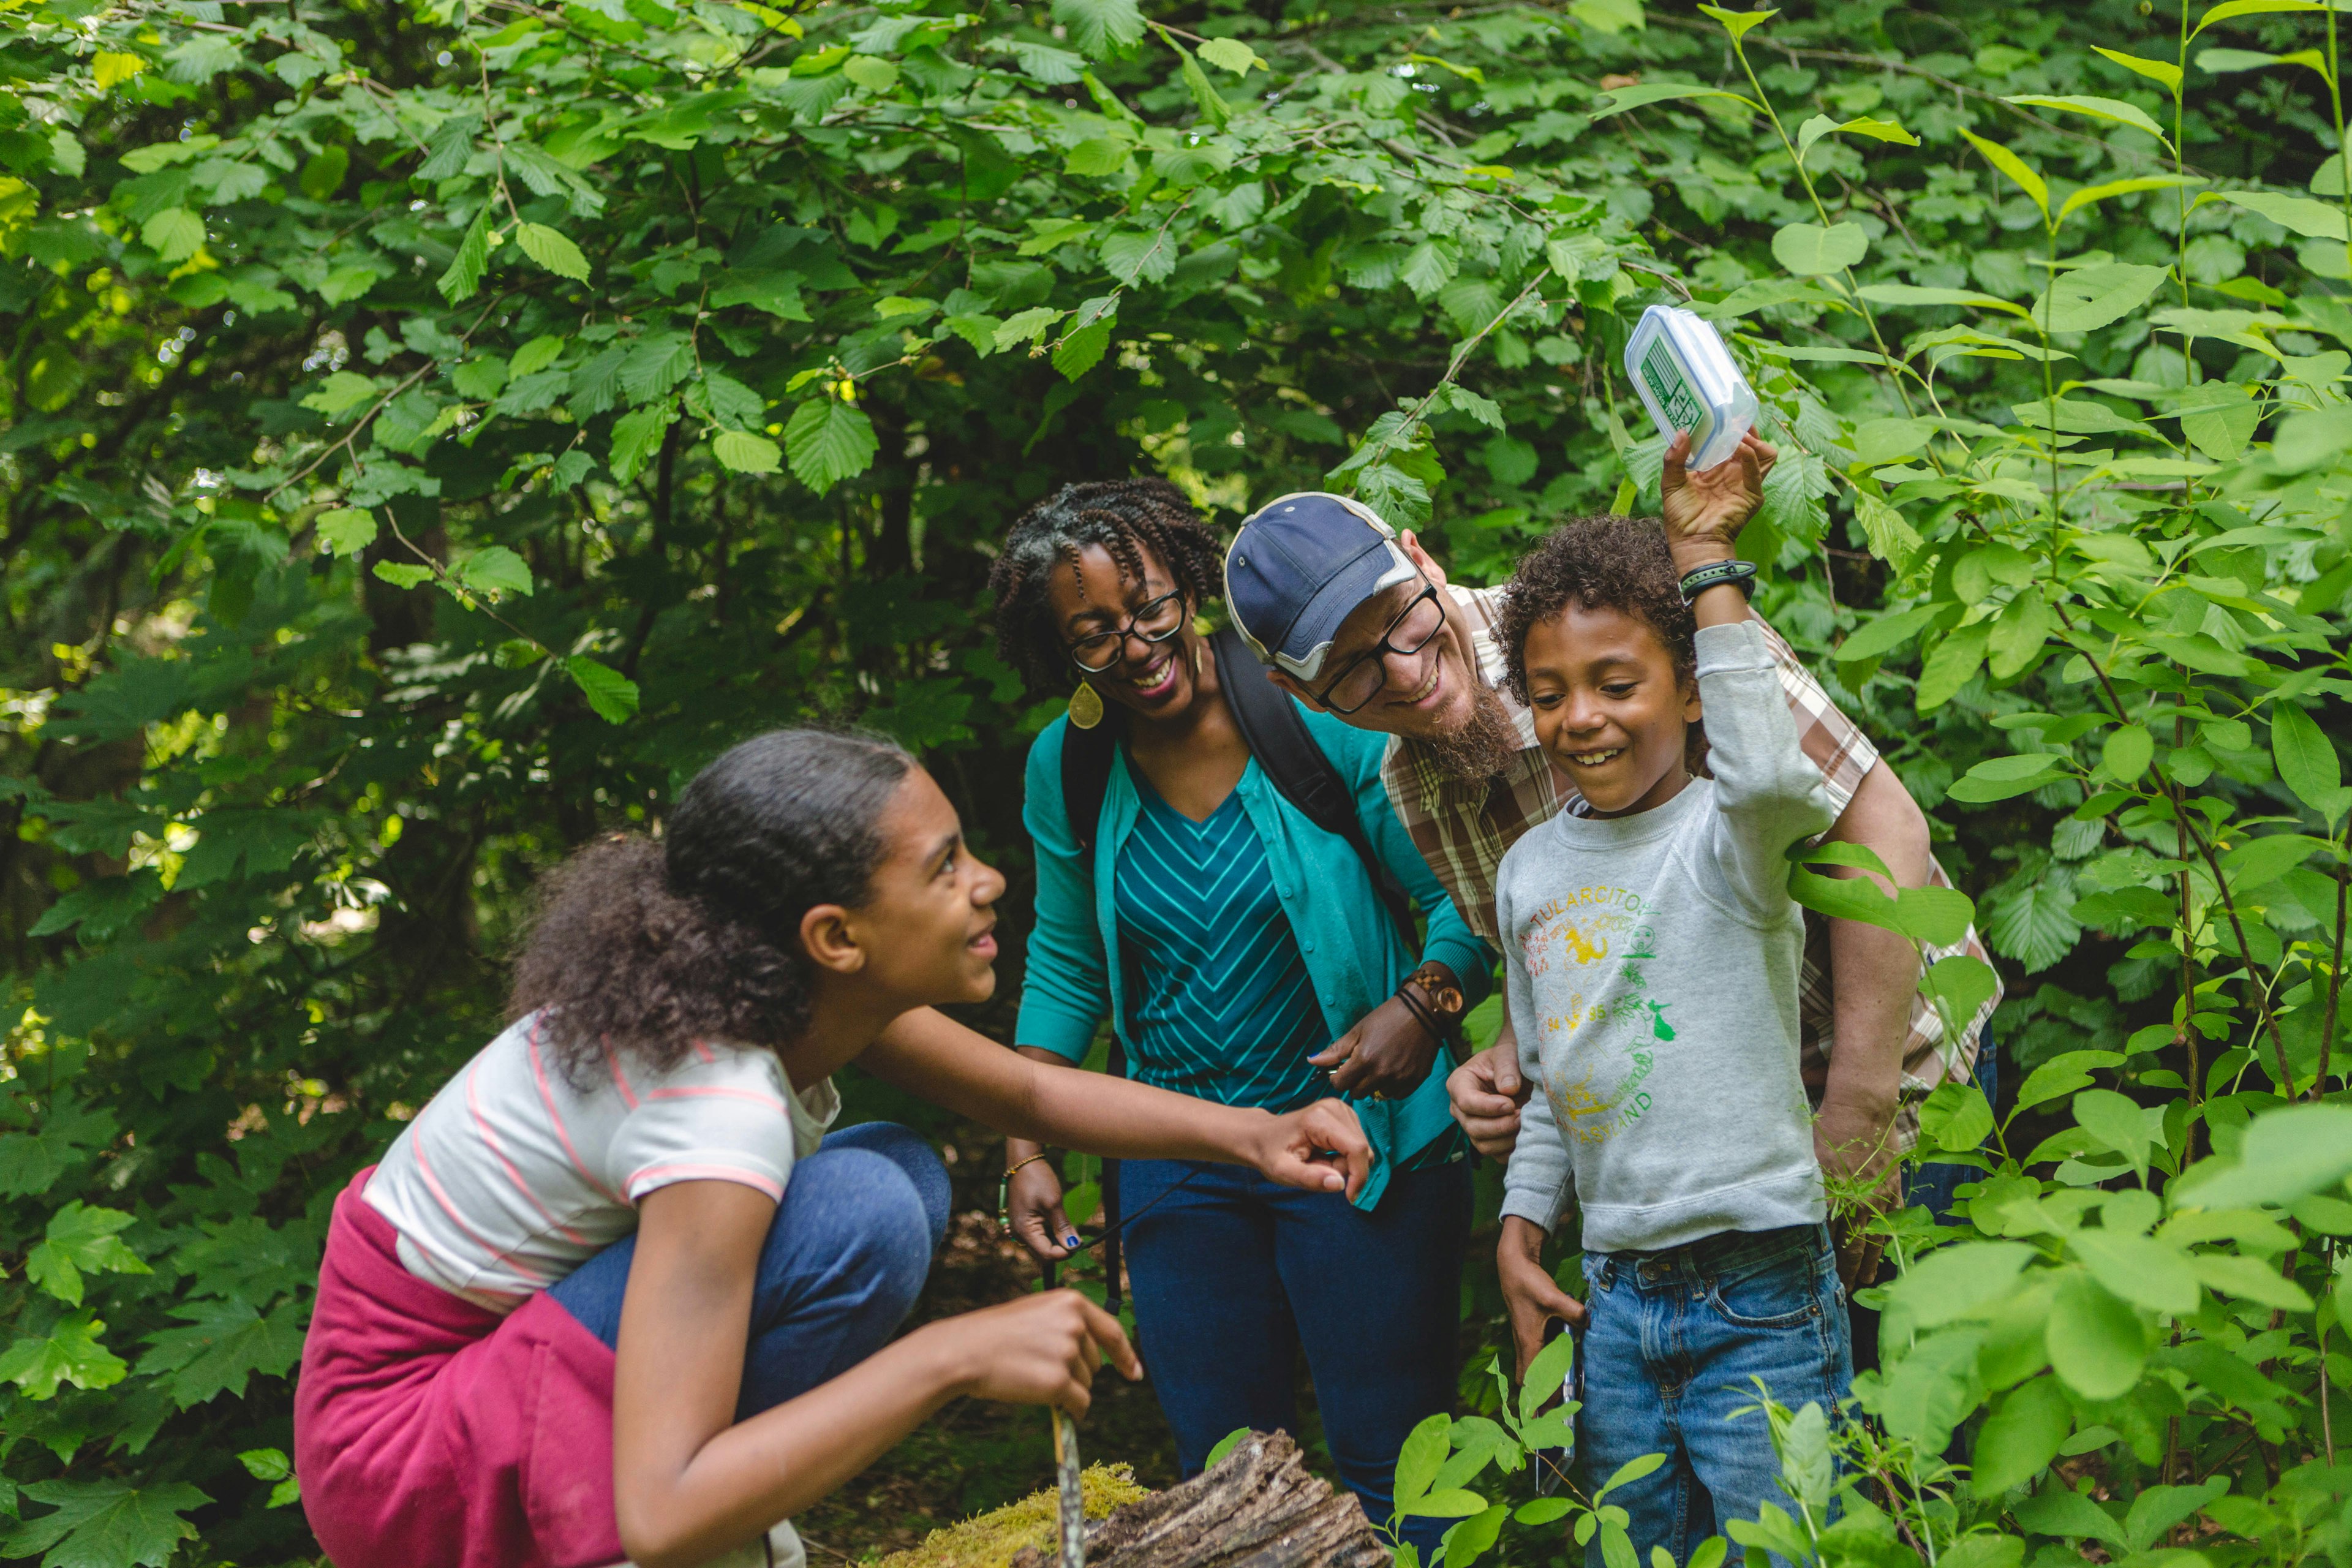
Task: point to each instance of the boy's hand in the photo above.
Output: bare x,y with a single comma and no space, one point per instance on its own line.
1487,1091
1704,511
1533,1297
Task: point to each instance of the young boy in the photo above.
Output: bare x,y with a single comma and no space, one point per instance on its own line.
1651,950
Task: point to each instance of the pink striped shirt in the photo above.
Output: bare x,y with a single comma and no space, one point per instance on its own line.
512,1177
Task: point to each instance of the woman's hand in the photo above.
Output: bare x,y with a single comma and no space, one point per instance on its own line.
1533,1297
1033,1206
1321,1147
1388,1053
1038,1350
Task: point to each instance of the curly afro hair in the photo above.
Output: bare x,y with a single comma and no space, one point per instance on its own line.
1125,517
647,947
1601,562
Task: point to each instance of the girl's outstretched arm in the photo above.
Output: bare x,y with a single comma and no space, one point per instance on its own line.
1321,1148
689,1481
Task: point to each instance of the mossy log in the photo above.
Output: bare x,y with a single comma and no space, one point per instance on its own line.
993,1540
1259,1507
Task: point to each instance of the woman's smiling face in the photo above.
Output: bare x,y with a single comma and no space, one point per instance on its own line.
1094,597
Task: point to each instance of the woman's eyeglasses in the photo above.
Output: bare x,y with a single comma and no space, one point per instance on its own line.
1155,622
1360,680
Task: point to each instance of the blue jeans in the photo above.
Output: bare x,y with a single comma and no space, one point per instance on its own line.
1673,1346
1930,1185
846,1257
1234,1275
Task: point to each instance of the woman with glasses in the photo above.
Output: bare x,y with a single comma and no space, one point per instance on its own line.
1239,952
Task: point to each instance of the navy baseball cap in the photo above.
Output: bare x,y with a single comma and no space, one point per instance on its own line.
1298,567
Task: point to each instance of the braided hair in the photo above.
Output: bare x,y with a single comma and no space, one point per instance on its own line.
1123,517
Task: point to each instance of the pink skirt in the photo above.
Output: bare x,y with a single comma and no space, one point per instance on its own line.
430,1433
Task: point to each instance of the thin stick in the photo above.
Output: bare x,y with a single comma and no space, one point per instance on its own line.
1073,1506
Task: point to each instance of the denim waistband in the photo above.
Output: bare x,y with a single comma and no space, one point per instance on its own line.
1695,1262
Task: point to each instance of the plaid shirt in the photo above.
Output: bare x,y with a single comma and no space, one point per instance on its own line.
1462,828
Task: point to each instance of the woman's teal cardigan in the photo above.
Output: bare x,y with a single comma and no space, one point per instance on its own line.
1351,948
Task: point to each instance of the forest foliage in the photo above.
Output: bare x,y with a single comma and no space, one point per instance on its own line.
430,433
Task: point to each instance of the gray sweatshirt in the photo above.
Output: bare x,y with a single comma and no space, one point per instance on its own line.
1651,963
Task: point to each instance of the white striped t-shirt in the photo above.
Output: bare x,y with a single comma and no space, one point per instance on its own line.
511,1178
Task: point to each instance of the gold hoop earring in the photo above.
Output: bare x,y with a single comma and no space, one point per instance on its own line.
1196,658
1085,707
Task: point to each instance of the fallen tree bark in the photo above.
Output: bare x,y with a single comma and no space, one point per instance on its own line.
1259,1507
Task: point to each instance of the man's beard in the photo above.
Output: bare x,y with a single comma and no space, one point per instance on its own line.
1481,748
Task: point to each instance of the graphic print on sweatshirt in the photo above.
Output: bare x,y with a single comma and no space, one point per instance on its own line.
1599,1052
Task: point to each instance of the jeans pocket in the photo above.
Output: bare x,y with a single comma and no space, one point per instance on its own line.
1778,1292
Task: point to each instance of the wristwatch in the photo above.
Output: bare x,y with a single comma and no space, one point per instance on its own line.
1438,986
1434,997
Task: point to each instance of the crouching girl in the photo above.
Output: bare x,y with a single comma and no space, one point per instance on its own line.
615,1292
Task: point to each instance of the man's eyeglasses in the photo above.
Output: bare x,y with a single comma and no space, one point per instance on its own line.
1155,622
1362,678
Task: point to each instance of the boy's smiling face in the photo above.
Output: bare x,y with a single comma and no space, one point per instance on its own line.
1609,707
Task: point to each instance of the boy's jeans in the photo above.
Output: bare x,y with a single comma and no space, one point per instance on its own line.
1675,1341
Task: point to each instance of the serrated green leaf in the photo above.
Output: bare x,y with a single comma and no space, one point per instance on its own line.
479,378
871,72
402,575
225,1344
175,234
637,436
552,250
69,1353
613,696
104,1525
494,568
537,356
745,453
829,441
473,258
1101,27
1095,156
346,530
1082,350
1233,55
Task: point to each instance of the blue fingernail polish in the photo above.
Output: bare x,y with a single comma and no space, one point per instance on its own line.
1071,1242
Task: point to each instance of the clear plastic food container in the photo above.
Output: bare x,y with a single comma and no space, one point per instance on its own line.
1688,381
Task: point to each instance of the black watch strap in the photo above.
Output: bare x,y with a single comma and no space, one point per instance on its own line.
1700,581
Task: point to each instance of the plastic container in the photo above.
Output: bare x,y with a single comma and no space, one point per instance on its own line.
1688,381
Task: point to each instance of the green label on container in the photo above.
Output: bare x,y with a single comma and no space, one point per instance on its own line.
1667,386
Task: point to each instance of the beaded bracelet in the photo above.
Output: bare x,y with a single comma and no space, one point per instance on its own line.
1004,1190
1700,581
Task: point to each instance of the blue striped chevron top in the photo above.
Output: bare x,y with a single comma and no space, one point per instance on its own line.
1226,1009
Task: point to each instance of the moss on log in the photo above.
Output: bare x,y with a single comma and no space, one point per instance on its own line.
994,1540
1259,1507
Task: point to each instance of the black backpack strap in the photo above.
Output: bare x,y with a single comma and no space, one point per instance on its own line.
1086,779
1276,734
1085,783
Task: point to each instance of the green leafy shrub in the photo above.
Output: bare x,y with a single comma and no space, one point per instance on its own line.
430,435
